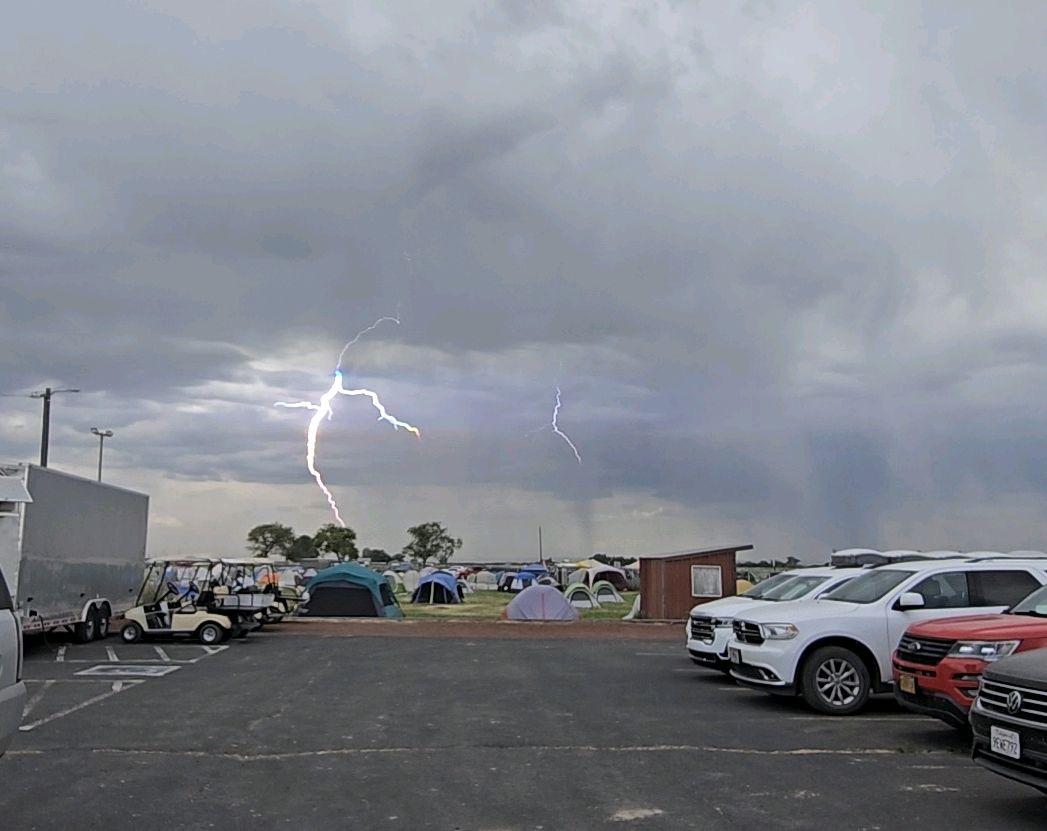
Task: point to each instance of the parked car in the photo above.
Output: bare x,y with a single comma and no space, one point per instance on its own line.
836,651
938,664
12,687
709,627
1009,718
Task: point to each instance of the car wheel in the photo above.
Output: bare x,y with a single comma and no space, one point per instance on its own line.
87,631
209,634
102,622
836,681
131,632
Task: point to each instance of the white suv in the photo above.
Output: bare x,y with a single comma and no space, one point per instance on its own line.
709,626
835,651
12,687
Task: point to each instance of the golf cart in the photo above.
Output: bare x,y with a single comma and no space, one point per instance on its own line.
272,588
193,598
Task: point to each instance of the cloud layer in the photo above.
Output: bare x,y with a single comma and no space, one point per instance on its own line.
784,260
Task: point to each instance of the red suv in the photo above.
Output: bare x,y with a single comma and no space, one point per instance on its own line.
938,664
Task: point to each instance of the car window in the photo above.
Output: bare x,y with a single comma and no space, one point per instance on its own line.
868,588
944,591
5,595
794,589
1000,588
1034,604
764,586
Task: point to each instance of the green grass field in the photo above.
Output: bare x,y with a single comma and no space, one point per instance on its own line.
489,605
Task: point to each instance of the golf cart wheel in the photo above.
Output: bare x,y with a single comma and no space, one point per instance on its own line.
836,681
209,634
88,630
102,622
131,632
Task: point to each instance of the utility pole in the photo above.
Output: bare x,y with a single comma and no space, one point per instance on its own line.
45,433
541,559
102,436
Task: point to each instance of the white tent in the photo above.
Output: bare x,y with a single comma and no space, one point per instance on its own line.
577,576
539,602
483,580
411,579
615,576
633,566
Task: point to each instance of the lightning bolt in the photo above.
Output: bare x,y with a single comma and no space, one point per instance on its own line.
325,410
559,432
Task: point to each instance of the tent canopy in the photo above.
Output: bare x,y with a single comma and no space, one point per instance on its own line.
540,602
437,587
339,590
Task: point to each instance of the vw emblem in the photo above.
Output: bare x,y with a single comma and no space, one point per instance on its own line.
915,646
1014,702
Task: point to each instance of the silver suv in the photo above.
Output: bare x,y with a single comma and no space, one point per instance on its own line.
12,687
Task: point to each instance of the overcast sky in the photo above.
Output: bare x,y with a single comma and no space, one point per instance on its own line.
784,260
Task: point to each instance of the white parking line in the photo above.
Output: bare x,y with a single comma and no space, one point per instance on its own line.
114,670
112,655
162,654
35,699
60,657
117,687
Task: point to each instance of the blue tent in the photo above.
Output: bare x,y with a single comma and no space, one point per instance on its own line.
349,590
437,587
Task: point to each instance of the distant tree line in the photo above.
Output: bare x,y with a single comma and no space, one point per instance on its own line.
429,541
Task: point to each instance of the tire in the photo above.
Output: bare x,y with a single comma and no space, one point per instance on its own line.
131,632
836,681
102,621
88,630
209,634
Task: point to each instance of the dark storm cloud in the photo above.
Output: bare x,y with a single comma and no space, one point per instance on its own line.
783,259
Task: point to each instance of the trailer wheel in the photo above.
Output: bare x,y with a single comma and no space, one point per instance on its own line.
131,632
209,634
87,631
102,621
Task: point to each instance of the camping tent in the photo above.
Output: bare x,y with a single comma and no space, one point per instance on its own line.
577,576
437,587
394,580
349,590
411,579
540,602
606,593
614,576
483,580
579,596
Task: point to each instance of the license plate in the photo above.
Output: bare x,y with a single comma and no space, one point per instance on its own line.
734,655
1005,742
907,683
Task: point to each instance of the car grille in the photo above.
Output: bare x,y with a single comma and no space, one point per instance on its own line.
702,628
747,632
928,651
997,698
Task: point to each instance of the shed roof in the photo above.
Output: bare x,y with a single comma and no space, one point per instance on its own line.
12,489
701,552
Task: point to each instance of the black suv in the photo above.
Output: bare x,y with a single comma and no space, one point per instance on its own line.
1009,719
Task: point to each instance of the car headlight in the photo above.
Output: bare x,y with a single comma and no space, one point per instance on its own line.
983,650
778,631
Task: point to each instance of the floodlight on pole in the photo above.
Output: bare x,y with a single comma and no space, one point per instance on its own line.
45,433
102,436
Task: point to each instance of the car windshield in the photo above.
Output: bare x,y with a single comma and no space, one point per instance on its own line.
795,589
868,588
760,589
1035,604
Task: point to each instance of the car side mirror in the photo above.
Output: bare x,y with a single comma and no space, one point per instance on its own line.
911,600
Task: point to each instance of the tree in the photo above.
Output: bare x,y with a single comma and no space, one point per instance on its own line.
376,555
333,539
271,539
303,549
430,541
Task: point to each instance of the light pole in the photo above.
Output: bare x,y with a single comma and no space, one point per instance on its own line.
45,433
102,436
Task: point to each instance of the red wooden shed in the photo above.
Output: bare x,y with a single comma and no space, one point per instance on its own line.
671,584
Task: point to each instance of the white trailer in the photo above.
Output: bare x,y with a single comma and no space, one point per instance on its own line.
72,549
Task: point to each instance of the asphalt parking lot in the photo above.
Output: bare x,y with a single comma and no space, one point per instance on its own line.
302,730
